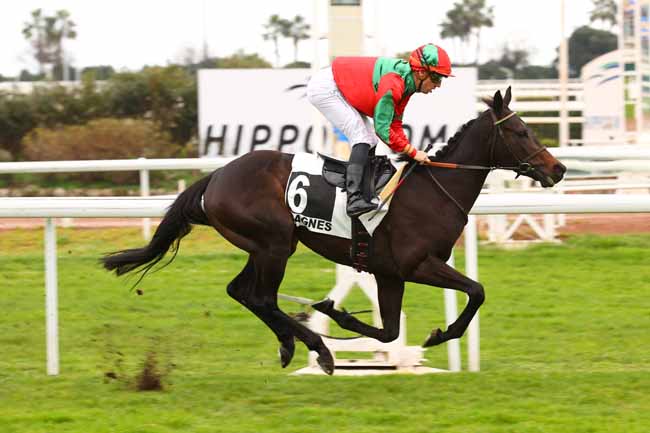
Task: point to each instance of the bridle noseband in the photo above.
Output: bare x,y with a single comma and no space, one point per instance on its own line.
523,167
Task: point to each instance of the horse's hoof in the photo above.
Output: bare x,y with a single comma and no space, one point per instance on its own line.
286,354
434,339
325,306
326,362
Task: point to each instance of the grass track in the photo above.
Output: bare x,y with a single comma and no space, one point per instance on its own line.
565,345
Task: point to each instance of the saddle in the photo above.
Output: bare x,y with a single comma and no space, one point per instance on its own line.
376,174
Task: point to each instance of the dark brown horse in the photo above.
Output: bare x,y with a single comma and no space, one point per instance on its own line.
245,202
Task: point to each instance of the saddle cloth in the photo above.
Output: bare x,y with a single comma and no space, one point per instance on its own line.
319,206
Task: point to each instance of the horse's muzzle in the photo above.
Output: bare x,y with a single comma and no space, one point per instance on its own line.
549,179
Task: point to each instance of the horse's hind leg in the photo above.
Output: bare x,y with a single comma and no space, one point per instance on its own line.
269,271
435,272
389,295
242,289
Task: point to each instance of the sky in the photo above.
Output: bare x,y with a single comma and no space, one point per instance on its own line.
131,34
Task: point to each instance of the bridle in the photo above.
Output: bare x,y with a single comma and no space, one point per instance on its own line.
524,167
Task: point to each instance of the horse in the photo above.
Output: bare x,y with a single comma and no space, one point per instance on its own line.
245,202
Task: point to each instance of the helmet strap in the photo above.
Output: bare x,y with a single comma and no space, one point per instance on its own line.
420,85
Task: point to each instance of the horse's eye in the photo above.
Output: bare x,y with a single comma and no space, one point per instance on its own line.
522,133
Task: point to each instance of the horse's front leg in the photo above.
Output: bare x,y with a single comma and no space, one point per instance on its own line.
434,272
389,295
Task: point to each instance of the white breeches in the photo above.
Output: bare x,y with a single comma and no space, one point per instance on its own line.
324,95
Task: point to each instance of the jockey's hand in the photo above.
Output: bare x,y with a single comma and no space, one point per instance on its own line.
421,157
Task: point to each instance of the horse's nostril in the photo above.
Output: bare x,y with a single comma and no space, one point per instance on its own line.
559,169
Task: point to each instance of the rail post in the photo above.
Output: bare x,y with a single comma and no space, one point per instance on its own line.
144,192
471,270
51,299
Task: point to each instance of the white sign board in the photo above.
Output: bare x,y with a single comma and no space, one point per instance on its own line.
241,110
603,99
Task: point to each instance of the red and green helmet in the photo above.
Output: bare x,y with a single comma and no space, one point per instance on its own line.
431,58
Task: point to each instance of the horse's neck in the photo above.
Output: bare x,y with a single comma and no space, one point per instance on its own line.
473,149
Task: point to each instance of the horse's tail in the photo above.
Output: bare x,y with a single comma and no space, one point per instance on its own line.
177,222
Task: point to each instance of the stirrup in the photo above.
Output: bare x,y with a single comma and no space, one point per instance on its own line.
359,207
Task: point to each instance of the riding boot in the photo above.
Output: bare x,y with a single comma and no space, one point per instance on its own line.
357,204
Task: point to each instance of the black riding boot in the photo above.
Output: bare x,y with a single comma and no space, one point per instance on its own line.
357,205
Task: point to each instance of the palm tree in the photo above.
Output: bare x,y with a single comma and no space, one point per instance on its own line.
457,25
465,19
605,11
480,16
298,30
275,28
46,35
35,32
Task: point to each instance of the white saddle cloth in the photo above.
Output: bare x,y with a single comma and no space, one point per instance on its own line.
320,207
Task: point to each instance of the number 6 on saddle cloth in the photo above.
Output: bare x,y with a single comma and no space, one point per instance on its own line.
316,196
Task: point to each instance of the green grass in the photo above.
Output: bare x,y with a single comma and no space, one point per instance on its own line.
565,345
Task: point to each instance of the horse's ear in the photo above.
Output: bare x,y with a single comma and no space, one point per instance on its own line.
508,97
497,104
488,101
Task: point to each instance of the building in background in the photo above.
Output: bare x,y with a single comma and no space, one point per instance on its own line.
634,44
617,84
346,37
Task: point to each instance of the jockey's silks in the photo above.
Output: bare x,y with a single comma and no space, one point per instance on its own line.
379,87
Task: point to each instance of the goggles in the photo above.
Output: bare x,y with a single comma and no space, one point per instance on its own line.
436,78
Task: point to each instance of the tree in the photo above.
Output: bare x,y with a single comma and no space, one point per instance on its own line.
404,55
536,72
513,59
456,26
585,44
480,16
297,65
241,60
492,70
25,75
466,19
46,35
34,31
605,11
276,27
297,31
101,72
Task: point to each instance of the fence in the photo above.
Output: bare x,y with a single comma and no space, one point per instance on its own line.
155,207
621,169
536,96
143,165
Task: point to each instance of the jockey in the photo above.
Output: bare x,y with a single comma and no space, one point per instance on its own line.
355,89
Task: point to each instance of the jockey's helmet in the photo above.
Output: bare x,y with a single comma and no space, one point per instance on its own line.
432,58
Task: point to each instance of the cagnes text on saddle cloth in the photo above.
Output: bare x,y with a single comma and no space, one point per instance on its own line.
318,206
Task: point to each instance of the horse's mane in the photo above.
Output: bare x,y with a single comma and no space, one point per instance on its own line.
453,141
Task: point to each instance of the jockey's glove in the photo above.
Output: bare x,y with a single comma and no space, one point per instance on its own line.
421,156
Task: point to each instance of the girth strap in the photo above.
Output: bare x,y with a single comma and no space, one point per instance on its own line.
361,246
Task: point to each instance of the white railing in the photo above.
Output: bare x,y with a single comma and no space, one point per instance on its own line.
622,169
490,204
113,165
526,96
155,207
603,153
143,165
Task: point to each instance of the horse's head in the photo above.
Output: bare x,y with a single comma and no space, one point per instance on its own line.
514,144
